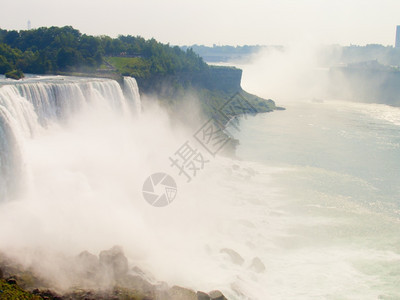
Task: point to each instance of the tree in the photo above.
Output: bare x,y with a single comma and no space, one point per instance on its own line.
5,66
68,57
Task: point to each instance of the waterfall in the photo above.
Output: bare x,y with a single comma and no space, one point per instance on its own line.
131,91
30,105
59,97
10,155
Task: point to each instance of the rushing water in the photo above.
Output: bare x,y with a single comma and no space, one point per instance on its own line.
309,210
335,222
27,107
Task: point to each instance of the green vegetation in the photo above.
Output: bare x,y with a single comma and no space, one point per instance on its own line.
131,66
14,292
65,49
15,74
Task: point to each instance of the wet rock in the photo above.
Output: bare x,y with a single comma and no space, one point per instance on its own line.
80,294
36,291
180,293
257,265
139,272
1,274
115,261
202,296
11,280
250,171
137,283
234,256
47,294
88,263
161,286
235,286
216,295
87,258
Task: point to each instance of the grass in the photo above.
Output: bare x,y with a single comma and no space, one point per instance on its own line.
137,67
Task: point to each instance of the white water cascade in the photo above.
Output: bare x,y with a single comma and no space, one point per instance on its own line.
28,106
131,92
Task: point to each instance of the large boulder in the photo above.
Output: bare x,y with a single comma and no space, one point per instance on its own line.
180,293
203,296
216,295
235,257
134,282
257,265
114,261
88,264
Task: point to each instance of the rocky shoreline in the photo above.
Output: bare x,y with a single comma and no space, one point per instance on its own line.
91,277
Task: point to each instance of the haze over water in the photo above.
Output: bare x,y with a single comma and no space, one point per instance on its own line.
336,168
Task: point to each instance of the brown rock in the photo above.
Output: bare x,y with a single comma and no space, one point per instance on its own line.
257,265
134,282
202,296
216,295
235,257
180,293
115,261
88,263
11,280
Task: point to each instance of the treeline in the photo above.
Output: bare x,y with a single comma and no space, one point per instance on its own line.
228,53
225,49
54,49
386,55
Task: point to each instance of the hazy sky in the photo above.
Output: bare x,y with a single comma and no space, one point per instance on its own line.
234,22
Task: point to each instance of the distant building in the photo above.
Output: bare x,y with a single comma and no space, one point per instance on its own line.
397,45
